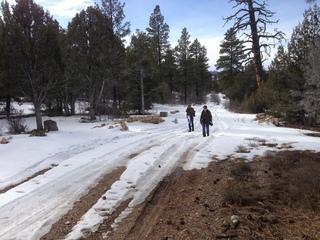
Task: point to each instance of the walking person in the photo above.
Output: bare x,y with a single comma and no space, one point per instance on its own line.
190,115
205,120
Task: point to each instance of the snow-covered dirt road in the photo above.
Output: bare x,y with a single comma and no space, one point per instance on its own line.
80,154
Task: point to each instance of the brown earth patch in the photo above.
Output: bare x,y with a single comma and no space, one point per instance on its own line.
63,227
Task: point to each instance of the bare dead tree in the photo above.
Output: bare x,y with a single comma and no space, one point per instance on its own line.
251,19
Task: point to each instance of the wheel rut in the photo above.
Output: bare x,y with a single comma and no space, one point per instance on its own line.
154,206
41,172
143,219
64,225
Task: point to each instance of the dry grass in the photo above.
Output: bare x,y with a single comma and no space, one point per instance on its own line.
276,196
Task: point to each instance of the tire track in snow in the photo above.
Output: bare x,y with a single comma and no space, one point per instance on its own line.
59,158
16,214
146,216
167,158
16,220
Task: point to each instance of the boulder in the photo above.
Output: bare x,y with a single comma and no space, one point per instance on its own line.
50,125
4,141
163,114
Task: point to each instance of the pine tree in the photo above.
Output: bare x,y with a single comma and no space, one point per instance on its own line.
201,77
311,96
302,43
182,52
170,70
142,88
88,35
158,31
8,73
114,12
36,52
230,60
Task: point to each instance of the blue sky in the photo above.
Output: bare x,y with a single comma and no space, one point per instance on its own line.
202,18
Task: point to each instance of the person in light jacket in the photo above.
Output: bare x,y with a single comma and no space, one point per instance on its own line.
205,120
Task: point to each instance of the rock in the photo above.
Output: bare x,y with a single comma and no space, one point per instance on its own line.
4,141
50,125
163,114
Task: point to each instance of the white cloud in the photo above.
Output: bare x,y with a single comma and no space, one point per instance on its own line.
62,10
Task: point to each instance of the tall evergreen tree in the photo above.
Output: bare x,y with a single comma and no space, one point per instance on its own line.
182,52
230,61
141,87
201,76
169,70
114,11
88,35
311,96
8,73
158,30
302,42
36,52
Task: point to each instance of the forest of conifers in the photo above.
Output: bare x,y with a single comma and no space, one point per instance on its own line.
88,61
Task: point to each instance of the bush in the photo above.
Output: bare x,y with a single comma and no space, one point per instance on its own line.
37,133
16,125
242,149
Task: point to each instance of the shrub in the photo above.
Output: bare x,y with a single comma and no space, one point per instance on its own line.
16,125
241,149
37,133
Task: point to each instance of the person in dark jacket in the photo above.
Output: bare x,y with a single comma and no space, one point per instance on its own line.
190,115
205,120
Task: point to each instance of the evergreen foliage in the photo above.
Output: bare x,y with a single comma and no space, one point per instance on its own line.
292,83
32,35
88,61
230,62
142,85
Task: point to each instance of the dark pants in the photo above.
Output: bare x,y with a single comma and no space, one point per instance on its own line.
205,128
190,121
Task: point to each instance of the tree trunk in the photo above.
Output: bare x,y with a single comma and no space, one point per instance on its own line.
142,92
92,99
8,105
255,45
37,111
185,87
72,104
